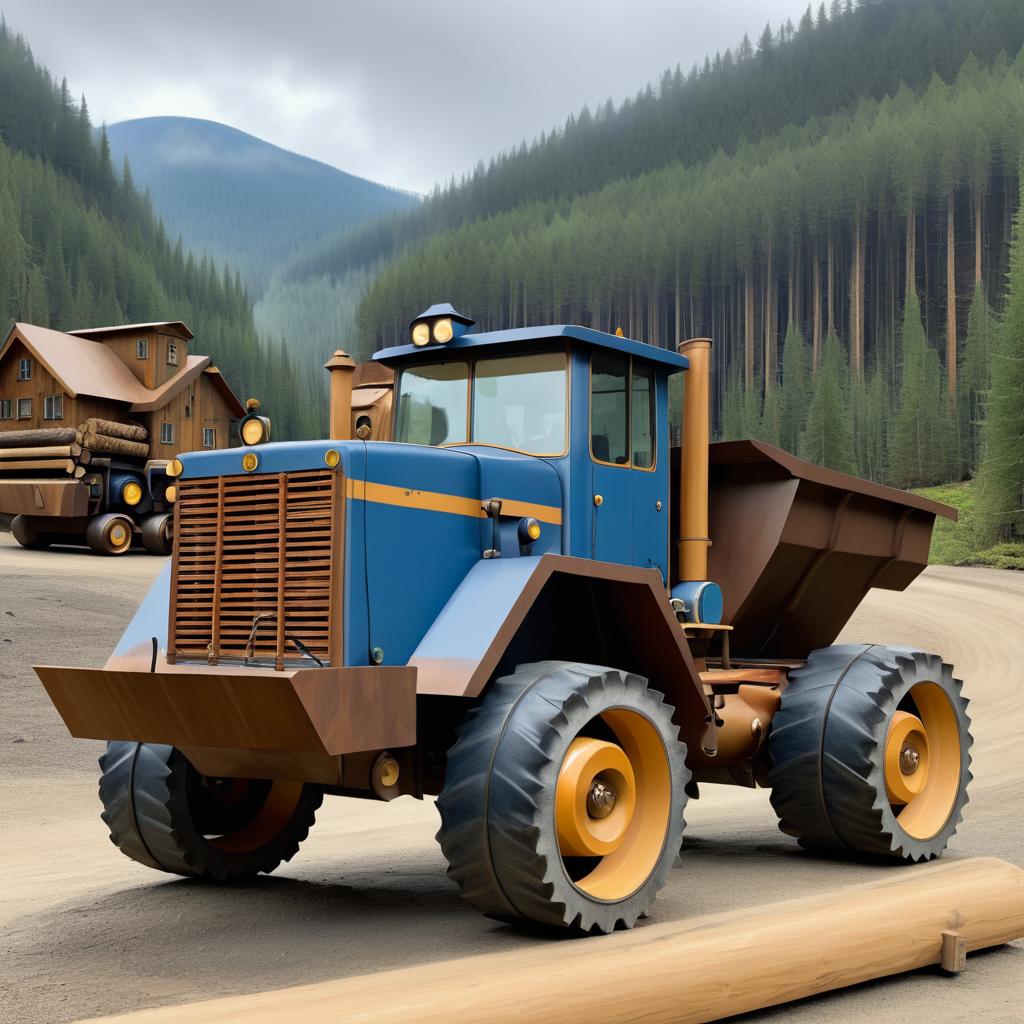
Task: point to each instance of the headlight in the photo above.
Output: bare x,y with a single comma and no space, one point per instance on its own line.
420,334
443,330
131,493
255,430
171,494
250,461
332,457
174,468
529,531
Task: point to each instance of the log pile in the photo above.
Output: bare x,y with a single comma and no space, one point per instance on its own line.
69,450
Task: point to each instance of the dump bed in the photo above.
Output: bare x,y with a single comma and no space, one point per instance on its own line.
796,547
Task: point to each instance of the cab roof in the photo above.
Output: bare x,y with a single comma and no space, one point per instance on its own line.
518,335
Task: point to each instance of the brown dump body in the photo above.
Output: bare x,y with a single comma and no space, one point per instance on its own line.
796,547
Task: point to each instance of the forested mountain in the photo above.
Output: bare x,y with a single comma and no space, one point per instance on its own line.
241,200
81,247
850,267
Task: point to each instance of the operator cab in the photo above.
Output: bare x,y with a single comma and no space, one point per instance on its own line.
594,406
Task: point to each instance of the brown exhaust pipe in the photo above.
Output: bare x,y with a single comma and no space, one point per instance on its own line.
693,543
341,368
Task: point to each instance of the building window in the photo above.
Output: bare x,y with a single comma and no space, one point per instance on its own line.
167,433
53,407
142,348
172,353
24,369
6,409
24,408
209,437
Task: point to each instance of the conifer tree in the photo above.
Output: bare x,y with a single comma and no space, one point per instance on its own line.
795,389
828,437
771,425
973,379
1000,508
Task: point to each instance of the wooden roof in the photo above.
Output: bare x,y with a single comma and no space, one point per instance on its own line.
85,367
177,326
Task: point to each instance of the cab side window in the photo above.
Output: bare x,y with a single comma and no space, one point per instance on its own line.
609,424
622,425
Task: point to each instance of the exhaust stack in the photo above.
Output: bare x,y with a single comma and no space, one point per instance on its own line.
341,368
698,599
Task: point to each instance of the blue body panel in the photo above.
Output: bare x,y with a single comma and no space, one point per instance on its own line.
413,567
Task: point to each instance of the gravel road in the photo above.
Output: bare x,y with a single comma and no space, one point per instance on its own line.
85,932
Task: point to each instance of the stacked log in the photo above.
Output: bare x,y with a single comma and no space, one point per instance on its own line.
68,450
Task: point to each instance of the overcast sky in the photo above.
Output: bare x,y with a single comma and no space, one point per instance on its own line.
406,92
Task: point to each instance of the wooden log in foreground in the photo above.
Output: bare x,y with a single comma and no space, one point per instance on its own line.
682,972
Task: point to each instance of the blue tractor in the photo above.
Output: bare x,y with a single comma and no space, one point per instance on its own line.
531,604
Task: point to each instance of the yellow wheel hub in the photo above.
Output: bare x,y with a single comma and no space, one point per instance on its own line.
922,762
118,535
612,803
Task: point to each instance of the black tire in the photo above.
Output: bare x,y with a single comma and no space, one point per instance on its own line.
110,534
828,751
498,829
27,535
157,535
162,813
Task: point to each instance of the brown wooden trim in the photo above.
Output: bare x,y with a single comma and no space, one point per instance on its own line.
218,572
282,565
335,608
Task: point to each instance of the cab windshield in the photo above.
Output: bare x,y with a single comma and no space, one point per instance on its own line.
516,402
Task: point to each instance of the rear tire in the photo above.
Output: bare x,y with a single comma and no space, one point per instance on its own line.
157,534
870,752
163,813
110,534
521,835
27,535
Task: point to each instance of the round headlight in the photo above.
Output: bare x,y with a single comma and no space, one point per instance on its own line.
131,493
443,330
171,494
332,457
250,460
174,468
254,431
420,334
529,531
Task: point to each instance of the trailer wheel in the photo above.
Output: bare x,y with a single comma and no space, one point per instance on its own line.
563,799
163,813
109,534
27,535
870,752
157,533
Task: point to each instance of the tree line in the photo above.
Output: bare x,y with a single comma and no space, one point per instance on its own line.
81,247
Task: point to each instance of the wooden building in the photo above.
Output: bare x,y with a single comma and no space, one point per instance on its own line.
138,373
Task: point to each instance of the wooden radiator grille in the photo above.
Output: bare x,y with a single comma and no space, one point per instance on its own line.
256,551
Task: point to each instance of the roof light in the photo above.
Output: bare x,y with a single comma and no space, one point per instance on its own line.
420,334
254,430
443,330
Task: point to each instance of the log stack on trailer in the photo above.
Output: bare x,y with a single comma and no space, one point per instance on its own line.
138,400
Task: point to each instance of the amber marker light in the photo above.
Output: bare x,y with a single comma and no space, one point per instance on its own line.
443,330
174,468
131,493
332,457
171,494
420,334
529,531
250,461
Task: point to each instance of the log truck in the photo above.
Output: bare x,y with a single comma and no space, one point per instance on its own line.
528,603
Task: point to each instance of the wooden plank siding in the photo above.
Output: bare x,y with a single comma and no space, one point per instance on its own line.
196,406
42,385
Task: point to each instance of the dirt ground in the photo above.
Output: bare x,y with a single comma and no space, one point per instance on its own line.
84,931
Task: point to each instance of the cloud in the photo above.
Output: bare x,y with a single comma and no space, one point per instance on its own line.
401,91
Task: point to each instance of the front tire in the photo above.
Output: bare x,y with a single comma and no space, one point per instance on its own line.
563,799
163,813
870,752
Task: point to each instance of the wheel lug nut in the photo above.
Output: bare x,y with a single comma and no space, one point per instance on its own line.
600,799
